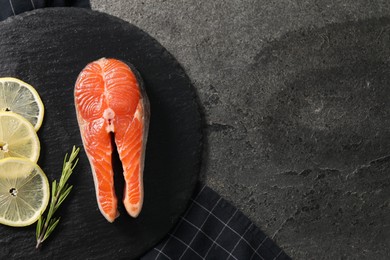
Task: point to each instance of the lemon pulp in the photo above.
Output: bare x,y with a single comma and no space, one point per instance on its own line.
18,137
21,98
24,192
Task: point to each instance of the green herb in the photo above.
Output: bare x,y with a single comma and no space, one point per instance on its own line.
59,192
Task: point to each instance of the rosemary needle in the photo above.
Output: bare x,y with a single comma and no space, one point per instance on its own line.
59,191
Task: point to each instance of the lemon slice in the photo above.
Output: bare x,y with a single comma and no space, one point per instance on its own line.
21,98
18,137
24,192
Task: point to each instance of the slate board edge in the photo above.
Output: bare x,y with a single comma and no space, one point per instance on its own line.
195,98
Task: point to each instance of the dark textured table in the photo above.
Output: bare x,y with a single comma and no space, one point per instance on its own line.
296,99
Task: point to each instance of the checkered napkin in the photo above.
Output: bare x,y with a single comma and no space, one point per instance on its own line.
14,7
212,228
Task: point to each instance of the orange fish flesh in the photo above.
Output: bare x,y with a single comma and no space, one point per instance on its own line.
109,99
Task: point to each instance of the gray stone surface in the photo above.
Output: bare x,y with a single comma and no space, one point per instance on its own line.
296,97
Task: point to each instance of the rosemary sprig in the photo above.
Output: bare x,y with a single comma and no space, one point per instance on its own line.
59,191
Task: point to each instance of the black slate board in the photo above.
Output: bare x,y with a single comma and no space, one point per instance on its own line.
48,48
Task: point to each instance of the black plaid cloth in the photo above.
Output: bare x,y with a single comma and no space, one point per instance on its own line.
212,228
14,7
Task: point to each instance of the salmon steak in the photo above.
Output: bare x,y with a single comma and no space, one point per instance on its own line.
111,104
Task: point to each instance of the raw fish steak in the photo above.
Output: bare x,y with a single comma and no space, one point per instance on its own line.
111,102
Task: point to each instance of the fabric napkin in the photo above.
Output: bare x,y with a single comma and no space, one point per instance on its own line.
211,228
14,7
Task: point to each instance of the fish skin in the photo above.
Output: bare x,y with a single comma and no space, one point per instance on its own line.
109,98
